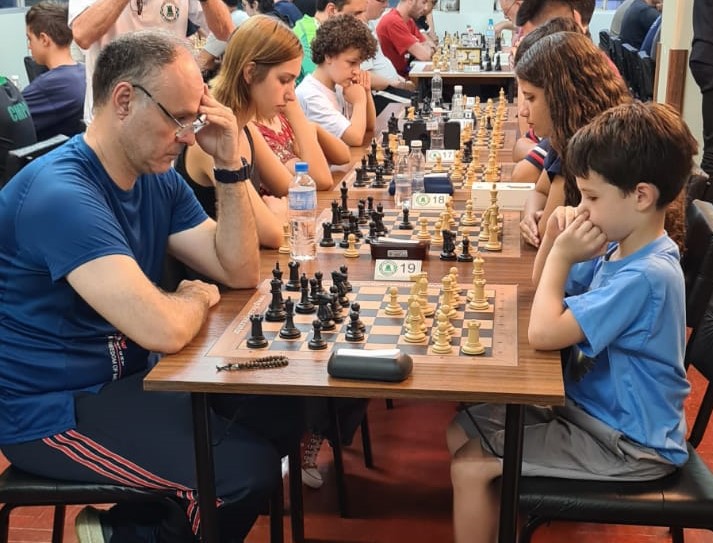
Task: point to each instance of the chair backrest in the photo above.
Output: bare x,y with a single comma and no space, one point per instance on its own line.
16,126
697,262
33,69
646,69
19,158
631,67
605,41
617,54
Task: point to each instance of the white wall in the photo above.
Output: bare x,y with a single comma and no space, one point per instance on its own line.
14,43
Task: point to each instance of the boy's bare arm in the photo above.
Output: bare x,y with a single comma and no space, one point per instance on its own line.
552,326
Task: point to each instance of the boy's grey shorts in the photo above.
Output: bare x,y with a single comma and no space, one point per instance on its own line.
566,442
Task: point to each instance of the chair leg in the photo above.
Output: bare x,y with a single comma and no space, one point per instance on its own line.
338,464
676,534
366,442
296,505
389,403
5,511
528,530
277,509
58,524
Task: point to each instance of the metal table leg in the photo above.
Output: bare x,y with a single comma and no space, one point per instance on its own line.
205,470
512,467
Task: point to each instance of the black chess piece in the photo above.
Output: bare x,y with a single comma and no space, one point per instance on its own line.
344,269
344,190
305,305
317,343
353,332
373,146
449,247
488,123
497,67
336,218
361,212
257,339
324,311
378,181
289,330
498,45
354,227
335,305
364,167
393,124
327,240
357,307
277,272
338,281
344,243
405,224
369,204
372,232
276,311
360,177
465,255
293,283
313,292
318,275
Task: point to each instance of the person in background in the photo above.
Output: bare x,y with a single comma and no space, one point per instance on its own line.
609,284
337,95
307,7
212,52
637,21
56,97
256,81
383,74
615,26
95,23
306,27
399,36
509,9
288,11
565,82
532,13
701,65
426,25
77,330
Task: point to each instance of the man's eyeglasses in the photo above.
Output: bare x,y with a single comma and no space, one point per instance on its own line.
506,12
183,129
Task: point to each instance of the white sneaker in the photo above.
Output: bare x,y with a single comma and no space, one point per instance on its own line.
312,477
90,528
285,466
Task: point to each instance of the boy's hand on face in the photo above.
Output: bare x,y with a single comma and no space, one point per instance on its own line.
559,220
364,79
354,94
580,239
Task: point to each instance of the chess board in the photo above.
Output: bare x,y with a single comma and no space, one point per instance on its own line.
509,228
497,332
460,193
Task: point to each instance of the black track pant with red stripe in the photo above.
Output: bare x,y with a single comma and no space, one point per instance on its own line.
127,436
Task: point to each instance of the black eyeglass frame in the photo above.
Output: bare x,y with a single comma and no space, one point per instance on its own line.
183,129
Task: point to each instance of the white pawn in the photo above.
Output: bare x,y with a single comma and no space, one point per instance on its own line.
351,251
423,232
455,294
437,237
442,344
414,334
426,309
394,307
468,219
473,345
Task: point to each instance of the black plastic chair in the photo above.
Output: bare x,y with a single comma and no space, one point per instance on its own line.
683,499
605,41
617,54
19,158
631,68
647,68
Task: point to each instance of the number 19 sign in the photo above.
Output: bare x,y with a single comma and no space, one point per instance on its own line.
395,270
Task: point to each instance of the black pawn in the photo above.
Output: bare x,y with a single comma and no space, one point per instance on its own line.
317,343
305,305
405,224
327,240
257,339
289,330
354,332
356,307
293,284
465,255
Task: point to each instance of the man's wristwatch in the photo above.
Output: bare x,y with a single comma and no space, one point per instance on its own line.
232,176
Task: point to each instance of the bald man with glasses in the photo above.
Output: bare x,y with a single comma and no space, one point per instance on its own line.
84,231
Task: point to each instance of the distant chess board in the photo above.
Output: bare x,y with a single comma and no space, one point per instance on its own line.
459,192
509,232
497,332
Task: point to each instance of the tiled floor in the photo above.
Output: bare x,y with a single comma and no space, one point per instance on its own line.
405,498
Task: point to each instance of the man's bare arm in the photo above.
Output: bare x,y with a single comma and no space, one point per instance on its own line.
95,21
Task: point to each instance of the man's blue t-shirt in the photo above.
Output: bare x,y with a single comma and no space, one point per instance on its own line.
58,213
633,316
56,101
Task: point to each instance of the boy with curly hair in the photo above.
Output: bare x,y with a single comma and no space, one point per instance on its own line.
337,95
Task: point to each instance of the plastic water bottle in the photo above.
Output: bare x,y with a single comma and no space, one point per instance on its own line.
436,88
436,128
302,203
490,35
402,181
457,102
16,81
416,166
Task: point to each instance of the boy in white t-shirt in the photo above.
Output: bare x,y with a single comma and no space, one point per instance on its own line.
337,95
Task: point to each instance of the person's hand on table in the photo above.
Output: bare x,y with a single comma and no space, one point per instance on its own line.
529,229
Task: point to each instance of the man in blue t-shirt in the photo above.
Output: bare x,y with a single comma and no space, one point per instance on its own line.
609,283
637,21
84,231
56,97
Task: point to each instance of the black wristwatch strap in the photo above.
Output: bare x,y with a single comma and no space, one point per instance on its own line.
232,176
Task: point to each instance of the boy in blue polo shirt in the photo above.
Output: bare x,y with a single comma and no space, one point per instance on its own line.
609,283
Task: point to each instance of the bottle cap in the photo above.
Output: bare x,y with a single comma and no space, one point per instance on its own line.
301,167
415,144
436,70
402,149
458,89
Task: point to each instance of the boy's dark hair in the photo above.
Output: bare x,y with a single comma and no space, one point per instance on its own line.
558,24
263,6
50,18
636,143
321,5
531,10
339,33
